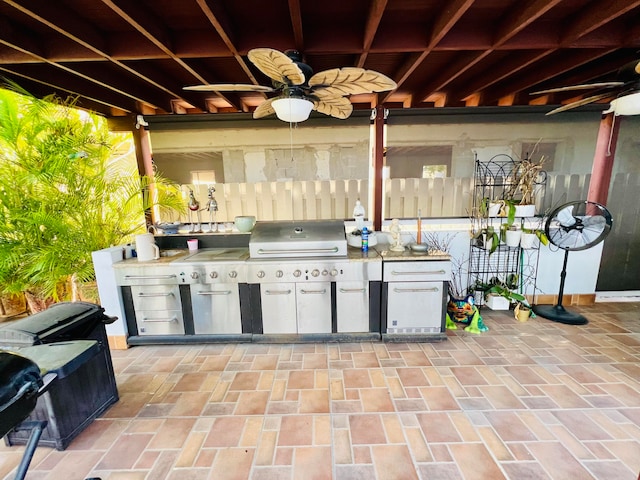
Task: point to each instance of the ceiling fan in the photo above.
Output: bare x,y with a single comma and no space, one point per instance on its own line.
625,91
299,90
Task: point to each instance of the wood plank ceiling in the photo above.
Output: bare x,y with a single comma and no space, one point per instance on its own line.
124,57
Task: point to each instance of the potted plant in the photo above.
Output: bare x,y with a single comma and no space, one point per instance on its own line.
512,235
488,238
520,193
61,198
500,294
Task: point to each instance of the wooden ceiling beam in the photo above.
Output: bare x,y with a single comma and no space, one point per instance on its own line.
150,28
221,24
594,16
100,105
519,17
517,62
374,16
516,20
537,75
67,69
441,26
296,24
73,27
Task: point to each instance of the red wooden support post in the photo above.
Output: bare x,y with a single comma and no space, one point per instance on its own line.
378,164
603,159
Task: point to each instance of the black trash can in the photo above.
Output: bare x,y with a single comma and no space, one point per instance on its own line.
77,398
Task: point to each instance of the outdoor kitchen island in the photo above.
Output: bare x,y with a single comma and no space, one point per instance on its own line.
317,291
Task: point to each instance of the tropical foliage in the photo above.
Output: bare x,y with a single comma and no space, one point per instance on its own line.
60,196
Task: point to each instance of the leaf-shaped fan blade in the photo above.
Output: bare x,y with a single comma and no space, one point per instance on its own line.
586,86
276,65
338,107
264,109
339,82
579,103
229,87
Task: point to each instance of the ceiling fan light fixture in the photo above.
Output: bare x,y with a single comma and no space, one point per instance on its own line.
292,109
626,105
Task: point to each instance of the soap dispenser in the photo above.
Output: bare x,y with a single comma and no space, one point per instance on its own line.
358,215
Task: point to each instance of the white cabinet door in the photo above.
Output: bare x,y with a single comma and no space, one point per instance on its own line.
352,306
278,307
314,307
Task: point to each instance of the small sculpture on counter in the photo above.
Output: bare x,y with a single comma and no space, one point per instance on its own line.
194,206
396,236
212,207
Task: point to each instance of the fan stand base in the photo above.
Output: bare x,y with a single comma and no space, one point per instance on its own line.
558,313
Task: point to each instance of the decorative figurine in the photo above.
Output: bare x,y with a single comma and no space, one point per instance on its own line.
194,206
465,312
396,236
212,207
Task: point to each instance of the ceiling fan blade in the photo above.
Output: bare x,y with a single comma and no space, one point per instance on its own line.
579,103
339,82
585,86
277,66
229,87
264,109
338,107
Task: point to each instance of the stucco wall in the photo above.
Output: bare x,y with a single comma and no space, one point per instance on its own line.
338,150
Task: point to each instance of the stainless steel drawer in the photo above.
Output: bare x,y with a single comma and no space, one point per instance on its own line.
156,275
424,271
160,322
156,297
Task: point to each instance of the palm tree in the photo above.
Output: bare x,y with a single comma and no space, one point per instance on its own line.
60,198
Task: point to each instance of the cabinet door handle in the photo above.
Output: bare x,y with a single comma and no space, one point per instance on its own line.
414,290
277,292
352,290
225,292
321,292
149,277
159,294
424,272
160,320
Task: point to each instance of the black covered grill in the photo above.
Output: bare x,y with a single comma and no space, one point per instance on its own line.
68,339
20,382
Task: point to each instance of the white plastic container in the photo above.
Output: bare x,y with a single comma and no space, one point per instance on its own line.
497,302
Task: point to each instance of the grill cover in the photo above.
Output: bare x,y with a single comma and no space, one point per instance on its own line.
61,321
290,239
19,383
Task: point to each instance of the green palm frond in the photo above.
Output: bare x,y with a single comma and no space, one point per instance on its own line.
60,196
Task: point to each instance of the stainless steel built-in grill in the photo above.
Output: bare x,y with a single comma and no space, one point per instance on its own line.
323,238
303,271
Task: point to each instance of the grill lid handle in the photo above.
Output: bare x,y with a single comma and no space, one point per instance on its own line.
262,251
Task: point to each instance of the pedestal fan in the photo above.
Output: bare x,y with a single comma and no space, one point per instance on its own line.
577,225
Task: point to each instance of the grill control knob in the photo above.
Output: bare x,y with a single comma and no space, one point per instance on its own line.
315,272
261,274
233,274
324,273
297,273
334,272
279,274
194,275
213,274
